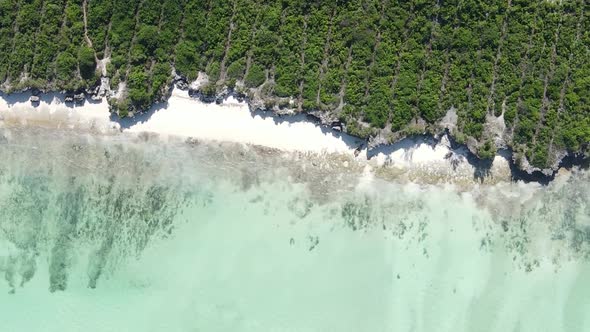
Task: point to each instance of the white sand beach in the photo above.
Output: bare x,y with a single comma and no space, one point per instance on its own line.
232,121
52,111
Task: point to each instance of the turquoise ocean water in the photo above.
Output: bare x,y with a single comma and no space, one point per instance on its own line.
119,233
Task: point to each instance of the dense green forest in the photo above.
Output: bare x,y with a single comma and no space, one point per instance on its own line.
380,66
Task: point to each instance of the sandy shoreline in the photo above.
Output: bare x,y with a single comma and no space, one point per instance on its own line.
52,111
232,121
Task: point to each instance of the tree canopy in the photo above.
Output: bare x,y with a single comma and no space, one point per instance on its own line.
374,64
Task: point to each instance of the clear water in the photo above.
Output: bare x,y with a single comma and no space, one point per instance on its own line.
125,234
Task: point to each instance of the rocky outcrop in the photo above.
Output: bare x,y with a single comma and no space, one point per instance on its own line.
34,100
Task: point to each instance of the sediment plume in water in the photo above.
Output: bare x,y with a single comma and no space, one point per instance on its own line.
135,233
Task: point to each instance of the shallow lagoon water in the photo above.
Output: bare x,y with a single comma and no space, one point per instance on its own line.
126,233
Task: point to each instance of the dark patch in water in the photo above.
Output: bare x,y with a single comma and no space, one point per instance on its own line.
119,221
357,215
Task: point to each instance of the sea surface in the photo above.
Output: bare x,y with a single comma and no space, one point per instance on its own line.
132,233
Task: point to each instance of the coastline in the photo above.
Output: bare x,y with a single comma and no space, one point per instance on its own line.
126,214
231,120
